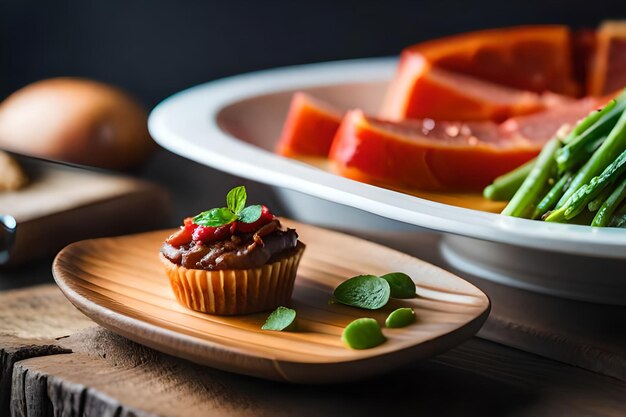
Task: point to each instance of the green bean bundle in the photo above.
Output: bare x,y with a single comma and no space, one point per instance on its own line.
574,176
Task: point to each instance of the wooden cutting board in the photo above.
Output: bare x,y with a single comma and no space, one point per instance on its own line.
63,204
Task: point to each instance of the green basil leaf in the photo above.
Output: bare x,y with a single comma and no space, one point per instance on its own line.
250,214
402,286
236,199
363,291
215,217
282,318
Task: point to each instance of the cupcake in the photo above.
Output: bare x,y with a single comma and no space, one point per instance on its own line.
232,260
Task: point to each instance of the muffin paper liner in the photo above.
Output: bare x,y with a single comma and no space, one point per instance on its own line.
235,291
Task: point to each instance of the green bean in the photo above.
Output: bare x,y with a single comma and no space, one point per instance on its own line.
610,149
362,333
556,216
579,200
527,196
597,124
605,213
597,202
504,187
400,317
553,196
592,118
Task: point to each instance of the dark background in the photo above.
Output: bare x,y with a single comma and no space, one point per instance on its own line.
154,48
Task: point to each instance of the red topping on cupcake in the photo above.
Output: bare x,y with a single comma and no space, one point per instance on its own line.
221,223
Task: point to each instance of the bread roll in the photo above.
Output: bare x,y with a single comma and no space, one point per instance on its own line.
76,120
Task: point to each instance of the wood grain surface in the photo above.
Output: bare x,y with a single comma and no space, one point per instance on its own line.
89,371
31,323
120,283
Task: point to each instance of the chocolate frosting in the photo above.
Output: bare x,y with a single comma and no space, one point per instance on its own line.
237,252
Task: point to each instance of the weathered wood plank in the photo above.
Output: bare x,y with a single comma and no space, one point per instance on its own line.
13,350
114,375
31,321
39,312
107,375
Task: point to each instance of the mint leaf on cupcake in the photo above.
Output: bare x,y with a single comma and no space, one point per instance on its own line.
235,210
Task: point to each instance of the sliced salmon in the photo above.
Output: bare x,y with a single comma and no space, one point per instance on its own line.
535,59
607,72
309,128
441,155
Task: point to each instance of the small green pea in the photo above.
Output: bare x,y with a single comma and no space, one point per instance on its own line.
362,333
282,318
400,317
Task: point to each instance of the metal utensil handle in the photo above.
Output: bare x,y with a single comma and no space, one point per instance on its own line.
8,228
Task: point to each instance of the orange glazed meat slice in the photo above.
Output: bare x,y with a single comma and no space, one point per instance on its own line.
607,71
445,95
424,154
539,127
430,155
535,59
310,127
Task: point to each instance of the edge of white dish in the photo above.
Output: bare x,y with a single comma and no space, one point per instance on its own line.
186,124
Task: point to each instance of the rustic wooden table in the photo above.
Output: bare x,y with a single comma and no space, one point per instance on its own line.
56,362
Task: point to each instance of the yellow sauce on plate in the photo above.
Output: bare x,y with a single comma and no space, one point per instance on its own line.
470,200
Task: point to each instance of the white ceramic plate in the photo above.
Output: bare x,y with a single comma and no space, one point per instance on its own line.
233,124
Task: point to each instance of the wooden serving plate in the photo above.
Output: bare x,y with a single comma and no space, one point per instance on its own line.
120,283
